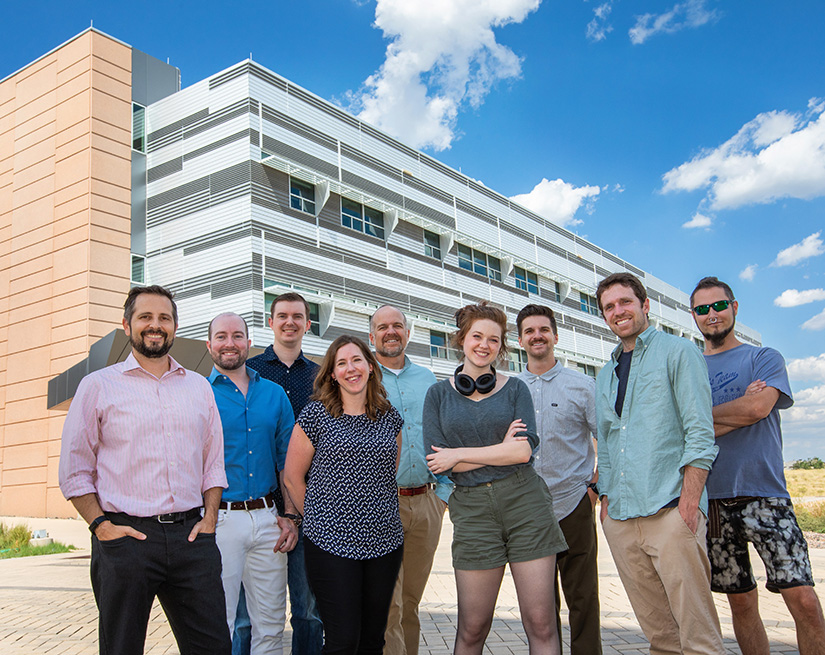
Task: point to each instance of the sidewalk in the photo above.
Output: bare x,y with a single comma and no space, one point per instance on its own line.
47,606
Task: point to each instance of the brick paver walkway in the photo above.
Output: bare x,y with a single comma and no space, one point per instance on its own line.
46,606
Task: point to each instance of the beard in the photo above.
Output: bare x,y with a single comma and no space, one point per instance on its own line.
393,351
229,364
153,351
717,338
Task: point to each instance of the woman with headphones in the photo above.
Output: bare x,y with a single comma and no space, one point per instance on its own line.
481,429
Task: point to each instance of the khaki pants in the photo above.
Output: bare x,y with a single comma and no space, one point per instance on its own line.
421,517
665,571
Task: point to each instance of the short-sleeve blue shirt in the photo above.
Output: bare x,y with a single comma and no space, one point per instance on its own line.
351,503
750,459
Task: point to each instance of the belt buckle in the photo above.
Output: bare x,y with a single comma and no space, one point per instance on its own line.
170,516
245,506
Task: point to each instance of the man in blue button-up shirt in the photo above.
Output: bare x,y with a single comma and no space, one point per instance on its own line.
257,422
656,446
422,496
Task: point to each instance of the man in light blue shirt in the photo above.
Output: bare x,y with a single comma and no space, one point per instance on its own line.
656,446
257,422
422,496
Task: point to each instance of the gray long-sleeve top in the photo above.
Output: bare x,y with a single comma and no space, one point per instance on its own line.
454,421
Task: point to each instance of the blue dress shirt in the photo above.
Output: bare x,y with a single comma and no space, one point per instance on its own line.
406,391
256,431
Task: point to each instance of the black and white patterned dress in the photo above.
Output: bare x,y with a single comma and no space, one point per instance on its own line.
351,504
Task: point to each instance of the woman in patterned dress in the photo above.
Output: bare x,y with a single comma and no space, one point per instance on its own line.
340,473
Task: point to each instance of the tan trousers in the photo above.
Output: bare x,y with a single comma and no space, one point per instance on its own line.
421,517
666,573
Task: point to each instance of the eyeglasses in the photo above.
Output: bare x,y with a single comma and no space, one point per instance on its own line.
718,306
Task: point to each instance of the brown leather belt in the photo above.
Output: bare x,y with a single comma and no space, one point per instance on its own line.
258,503
414,491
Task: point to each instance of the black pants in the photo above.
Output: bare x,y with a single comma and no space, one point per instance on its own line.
353,598
128,573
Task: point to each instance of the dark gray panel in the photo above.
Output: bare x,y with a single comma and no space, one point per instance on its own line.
138,209
152,79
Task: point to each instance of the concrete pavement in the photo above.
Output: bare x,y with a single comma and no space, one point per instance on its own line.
46,605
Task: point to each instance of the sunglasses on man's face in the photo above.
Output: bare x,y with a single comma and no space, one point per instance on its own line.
718,306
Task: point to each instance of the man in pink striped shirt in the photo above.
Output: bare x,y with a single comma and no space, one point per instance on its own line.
142,452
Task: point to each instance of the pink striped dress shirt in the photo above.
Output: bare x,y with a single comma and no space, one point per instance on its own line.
144,445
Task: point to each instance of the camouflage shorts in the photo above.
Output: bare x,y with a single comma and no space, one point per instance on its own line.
770,525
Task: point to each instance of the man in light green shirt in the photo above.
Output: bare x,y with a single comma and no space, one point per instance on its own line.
656,446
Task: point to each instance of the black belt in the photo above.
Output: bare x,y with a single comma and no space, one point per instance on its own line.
172,517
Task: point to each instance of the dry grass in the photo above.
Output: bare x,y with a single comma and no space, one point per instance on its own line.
803,482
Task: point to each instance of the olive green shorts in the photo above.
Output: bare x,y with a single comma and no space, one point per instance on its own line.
508,520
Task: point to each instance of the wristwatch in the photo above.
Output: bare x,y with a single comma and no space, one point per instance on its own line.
594,487
297,518
96,523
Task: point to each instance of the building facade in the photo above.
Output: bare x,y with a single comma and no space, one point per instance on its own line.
229,192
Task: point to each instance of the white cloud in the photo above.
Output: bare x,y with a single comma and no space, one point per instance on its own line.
794,298
698,220
807,368
810,246
748,273
598,28
558,201
442,56
815,322
808,411
776,155
691,13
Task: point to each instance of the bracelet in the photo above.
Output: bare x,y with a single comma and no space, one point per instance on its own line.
295,517
94,525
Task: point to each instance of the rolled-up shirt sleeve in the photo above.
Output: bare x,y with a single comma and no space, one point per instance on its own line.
691,392
79,443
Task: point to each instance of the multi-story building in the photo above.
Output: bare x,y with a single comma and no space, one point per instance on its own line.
229,192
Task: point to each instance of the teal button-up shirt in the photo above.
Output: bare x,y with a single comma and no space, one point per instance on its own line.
666,424
406,391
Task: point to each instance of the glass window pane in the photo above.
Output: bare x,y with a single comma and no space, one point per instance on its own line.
479,262
465,257
495,268
139,128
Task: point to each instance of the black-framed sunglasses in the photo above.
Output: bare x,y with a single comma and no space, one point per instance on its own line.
718,306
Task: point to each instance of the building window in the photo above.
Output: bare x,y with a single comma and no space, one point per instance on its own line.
361,218
517,361
301,196
668,330
479,262
556,291
314,326
138,269
525,280
138,128
589,304
587,369
440,345
432,244
699,343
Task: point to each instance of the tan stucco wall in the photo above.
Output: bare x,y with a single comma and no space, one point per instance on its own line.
65,128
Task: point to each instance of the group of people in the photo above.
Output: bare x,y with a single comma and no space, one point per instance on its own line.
215,495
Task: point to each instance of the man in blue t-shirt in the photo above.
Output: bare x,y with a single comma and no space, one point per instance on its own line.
746,487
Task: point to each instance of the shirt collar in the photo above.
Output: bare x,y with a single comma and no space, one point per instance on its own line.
131,364
407,364
531,377
215,375
272,356
642,341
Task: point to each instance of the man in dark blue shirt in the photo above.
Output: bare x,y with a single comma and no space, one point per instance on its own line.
257,423
284,363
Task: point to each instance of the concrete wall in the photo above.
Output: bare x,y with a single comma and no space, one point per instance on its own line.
65,126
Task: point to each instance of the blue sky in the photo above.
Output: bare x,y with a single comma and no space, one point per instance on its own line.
686,137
